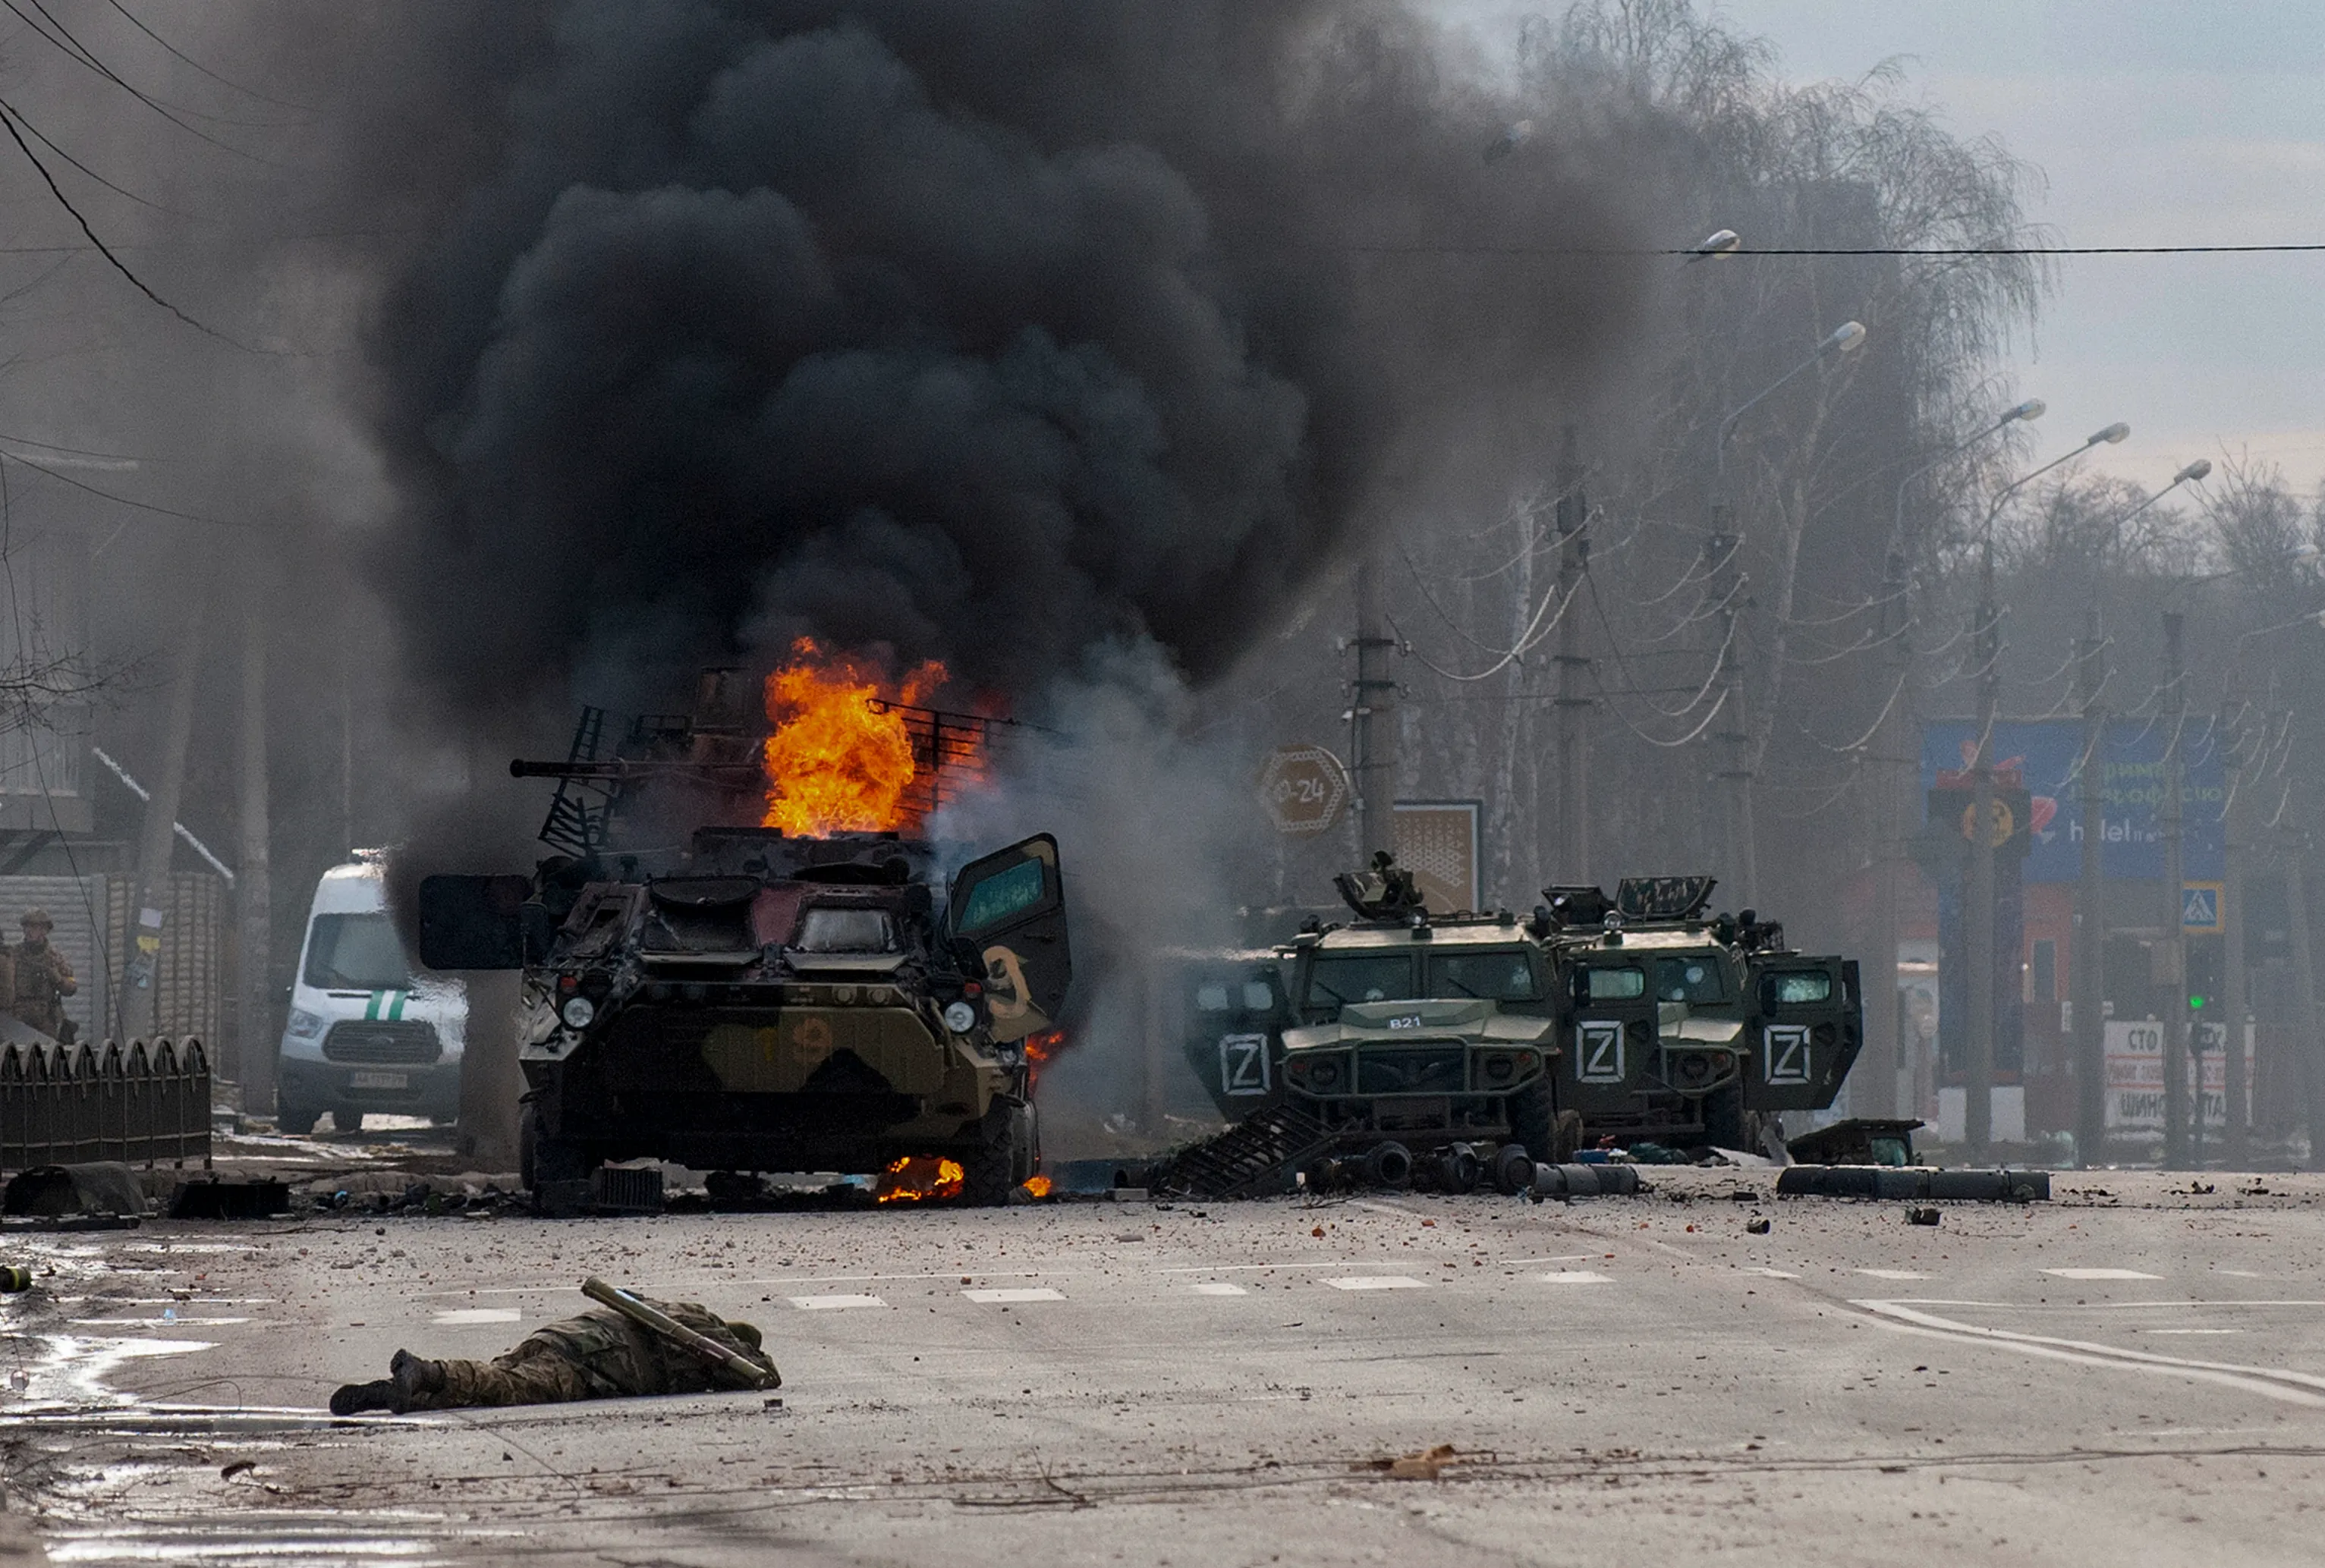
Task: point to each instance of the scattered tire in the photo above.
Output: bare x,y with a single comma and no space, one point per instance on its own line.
1513,1170
1388,1164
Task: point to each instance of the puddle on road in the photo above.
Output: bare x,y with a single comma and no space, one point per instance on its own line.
71,1370
318,1540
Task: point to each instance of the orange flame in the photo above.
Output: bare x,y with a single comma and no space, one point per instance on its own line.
1040,1050
837,763
918,1178
1036,1186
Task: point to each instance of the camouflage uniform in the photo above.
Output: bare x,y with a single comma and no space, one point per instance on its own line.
599,1355
40,979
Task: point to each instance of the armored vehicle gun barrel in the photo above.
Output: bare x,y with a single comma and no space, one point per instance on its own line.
630,771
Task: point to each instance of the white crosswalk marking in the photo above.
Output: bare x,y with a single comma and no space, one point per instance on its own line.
1772,1273
1218,1288
1002,1297
834,1303
1892,1273
468,1314
1376,1282
2101,1274
1573,1276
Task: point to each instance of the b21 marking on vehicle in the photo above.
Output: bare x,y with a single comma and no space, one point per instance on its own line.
1411,1020
1242,1064
1598,1052
1784,1053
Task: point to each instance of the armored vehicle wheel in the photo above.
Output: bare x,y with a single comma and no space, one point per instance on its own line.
1028,1147
1565,1137
347,1121
990,1170
542,1158
1530,1118
1726,1123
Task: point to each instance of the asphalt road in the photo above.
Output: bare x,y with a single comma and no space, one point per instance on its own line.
2122,1376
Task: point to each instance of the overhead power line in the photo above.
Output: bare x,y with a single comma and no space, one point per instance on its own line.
1476,250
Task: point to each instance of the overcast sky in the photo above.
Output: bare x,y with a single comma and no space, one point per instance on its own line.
2156,122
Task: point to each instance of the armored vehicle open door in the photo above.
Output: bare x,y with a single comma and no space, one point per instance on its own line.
1234,1015
1807,1025
1009,908
1612,998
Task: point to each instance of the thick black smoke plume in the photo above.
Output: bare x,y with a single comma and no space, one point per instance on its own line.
982,331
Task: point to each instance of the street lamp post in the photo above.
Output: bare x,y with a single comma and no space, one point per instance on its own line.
1985,976
2087,961
1720,550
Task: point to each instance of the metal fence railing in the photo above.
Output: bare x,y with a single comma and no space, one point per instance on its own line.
67,1104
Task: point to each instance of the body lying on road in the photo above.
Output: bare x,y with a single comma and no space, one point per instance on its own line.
601,1354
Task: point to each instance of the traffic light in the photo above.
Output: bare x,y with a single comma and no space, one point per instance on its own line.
2204,956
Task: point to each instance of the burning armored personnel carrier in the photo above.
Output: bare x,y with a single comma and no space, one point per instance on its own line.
756,1000
1636,1016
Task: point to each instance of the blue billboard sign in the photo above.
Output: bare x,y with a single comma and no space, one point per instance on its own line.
2046,756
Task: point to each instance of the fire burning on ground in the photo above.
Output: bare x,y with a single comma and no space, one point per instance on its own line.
841,757
917,1178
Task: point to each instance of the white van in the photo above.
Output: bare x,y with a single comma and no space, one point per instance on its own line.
364,1033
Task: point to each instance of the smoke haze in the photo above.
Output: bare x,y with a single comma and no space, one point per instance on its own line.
982,333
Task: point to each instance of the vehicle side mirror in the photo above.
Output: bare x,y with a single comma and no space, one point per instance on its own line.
481,923
1578,981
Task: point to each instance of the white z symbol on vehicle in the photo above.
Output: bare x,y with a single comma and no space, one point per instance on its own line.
1599,1052
1242,1064
1784,1053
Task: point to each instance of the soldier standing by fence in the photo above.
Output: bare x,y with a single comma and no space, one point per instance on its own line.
40,978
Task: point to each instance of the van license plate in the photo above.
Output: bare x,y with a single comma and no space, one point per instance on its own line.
379,1079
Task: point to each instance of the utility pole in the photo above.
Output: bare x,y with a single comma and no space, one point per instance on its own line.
154,842
1372,745
2089,975
2236,1113
1873,1084
257,1070
1734,775
2305,985
1573,522
2175,939
1979,919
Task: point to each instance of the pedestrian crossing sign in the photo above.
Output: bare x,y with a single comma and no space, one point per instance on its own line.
2199,906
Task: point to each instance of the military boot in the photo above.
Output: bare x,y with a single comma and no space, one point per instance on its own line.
354,1398
413,1376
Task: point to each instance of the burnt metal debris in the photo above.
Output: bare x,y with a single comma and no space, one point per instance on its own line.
755,1002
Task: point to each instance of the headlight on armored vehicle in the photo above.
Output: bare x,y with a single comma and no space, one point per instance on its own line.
1325,1074
577,1011
959,1018
1500,1068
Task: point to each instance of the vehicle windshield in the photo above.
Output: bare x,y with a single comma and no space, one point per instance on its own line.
1698,977
1498,976
356,953
1342,978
